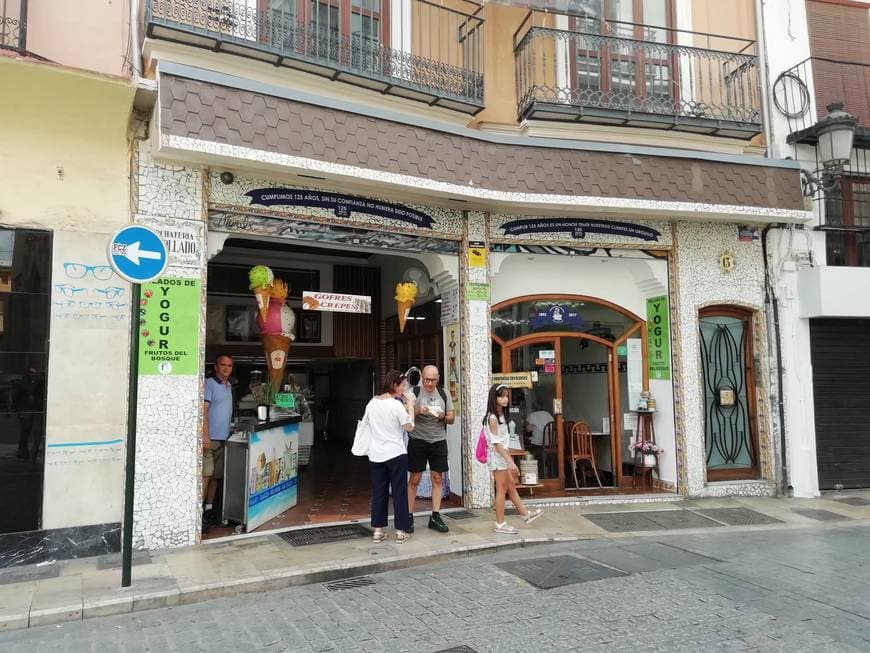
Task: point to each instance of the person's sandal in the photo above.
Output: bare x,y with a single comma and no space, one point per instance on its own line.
505,529
378,536
532,515
402,537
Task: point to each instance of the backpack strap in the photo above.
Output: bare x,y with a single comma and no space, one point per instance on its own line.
440,392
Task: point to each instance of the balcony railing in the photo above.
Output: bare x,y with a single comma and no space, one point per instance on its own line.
572,67
13,24
844,81
416,49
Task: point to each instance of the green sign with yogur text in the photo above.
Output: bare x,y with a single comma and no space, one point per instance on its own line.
169,315
658,338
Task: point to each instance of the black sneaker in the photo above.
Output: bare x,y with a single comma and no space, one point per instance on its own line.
410,528
437,524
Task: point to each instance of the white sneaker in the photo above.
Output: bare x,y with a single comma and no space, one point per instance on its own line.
532,515
505,529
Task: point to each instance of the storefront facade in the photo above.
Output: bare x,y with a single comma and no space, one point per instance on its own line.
686,254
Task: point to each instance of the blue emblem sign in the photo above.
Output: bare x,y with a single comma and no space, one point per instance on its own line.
556,315
138,254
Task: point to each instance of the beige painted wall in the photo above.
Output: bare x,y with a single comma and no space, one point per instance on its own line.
64,166
89,34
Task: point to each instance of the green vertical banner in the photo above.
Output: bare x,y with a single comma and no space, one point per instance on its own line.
658,338
169,315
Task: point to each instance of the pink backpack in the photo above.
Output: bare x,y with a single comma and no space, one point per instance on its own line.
480,451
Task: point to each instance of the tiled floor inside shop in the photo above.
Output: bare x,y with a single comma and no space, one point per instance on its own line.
334,486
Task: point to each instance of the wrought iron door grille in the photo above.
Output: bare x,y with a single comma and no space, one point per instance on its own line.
727,420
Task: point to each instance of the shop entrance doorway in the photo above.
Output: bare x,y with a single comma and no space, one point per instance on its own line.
575,351
334,365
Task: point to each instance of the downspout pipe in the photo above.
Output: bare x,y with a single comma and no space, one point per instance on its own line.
771,301
135,50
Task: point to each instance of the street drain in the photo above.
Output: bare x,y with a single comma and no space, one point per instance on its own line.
556,571
459,514
854,501
738,516
325,534
457,649
349,583
651,520
819,515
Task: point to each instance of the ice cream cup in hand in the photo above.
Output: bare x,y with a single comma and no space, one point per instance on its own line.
435,411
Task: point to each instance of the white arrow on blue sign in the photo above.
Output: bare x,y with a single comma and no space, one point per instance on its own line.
138,254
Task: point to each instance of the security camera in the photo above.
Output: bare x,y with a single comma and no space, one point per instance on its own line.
227,177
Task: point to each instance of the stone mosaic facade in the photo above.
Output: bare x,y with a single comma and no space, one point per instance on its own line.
700,281
168,450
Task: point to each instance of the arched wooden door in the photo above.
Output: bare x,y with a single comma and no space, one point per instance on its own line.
571,346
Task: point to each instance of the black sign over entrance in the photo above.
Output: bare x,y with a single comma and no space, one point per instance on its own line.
341,205
578,228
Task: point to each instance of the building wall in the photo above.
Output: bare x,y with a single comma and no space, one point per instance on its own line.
65,168
700,281
91,35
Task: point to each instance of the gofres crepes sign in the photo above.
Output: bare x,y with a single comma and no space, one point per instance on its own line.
336,302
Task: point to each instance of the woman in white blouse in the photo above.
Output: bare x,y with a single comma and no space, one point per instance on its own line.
388,457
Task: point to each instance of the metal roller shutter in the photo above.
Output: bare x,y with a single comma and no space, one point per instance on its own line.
841,386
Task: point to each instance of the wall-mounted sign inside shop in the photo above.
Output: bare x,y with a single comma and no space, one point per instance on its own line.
341,205
169,327
513,379
658,338
336,302
578,228
556,315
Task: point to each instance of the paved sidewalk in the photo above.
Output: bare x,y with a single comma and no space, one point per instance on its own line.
81,589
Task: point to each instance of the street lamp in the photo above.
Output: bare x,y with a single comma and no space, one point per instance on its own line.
835,133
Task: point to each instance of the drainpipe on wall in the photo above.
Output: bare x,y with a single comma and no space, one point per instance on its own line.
772,303
763,77
135,49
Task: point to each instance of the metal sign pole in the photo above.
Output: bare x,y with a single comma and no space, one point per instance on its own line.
137,254
132,402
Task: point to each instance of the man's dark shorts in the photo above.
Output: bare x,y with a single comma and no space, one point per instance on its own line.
419,452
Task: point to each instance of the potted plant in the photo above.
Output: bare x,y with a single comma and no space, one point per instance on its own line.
649,450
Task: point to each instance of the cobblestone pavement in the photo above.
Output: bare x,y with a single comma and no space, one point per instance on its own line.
759,590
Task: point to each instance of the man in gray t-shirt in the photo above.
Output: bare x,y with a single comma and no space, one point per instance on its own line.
427,443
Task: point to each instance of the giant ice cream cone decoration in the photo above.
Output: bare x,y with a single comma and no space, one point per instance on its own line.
275,320
261,279
406,293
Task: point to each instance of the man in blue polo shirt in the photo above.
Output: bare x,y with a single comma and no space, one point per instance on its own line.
216,420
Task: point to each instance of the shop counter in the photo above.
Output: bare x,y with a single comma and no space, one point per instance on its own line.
261,464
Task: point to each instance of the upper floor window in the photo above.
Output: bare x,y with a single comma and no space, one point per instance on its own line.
847,222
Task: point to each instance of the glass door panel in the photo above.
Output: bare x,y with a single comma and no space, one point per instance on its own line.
586,384
533,410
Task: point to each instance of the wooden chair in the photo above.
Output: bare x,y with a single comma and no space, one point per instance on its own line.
581,450
549,447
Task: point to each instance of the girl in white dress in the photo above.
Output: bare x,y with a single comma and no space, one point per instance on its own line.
500,462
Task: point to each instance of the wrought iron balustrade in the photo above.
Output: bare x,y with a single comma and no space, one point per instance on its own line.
571,67
417,49
13,24
844,81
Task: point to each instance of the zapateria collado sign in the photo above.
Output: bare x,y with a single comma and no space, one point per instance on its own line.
341,205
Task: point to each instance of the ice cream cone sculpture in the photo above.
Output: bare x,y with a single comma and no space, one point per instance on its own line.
261,279
275,320
406,293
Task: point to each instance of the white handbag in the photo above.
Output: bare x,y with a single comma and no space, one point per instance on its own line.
363,436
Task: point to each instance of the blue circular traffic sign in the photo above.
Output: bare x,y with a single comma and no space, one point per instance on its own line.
138,254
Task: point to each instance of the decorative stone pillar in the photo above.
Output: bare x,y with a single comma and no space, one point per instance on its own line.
476,362
168,486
